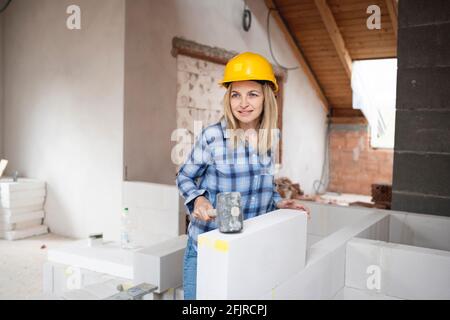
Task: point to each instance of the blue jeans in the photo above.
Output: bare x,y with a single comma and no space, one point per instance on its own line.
190,271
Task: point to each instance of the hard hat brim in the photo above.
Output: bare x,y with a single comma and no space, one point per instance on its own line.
273,85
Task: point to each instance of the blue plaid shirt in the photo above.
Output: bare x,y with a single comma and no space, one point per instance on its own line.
214,166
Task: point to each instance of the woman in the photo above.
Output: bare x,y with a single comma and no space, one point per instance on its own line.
233,155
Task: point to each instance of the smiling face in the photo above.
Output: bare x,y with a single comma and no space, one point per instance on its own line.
247,102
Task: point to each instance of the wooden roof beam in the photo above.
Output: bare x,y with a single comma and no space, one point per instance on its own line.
335,35
393,14
298,54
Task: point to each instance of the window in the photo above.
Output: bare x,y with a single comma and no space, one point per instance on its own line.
374,84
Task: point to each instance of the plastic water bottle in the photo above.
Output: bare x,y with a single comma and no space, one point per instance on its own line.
126,236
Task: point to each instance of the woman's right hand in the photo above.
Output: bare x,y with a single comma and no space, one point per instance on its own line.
203,209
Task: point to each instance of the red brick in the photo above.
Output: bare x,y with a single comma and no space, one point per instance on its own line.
348,175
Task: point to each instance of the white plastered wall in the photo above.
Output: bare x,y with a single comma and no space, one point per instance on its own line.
63,108
1,86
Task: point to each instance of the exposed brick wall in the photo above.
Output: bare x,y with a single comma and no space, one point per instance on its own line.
354,165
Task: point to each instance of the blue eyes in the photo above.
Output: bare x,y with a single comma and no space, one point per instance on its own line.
251,94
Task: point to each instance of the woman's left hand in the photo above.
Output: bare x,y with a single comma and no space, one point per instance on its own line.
293,204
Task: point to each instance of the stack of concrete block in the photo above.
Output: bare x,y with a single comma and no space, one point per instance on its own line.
22,208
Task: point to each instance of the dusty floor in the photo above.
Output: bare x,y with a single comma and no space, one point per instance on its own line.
344,199
21,264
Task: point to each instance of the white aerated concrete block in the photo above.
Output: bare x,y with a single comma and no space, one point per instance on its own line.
377,231
324,273
355,294
312,239
20,225
155,208
24,233
362,254
327,219
170,294
21,217
421,230
25,194
108,258
17,211
362,226
322,278
161,264
7,185
60,278
417,273
19,203
398,270
270,250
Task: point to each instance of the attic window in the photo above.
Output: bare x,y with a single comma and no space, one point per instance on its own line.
374,84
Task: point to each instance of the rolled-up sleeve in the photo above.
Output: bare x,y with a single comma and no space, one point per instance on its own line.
275,198
193,168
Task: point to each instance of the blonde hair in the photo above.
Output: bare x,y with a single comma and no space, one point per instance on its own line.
267,127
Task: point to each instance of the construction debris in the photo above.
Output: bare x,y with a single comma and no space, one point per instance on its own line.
382,195
287,189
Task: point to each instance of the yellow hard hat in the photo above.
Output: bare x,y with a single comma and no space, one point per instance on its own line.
249,66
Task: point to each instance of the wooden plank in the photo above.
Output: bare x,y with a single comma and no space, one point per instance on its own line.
317,46
359,14
335,35
325,75
375,43
335,82
348,120
336,100
341,7
315,54
343,99
342,93
300,13
392,9
351,35
370,56
338,85
386,30
298,54
345,112
288,5
331,68
326,54
333,76
367,56
375,51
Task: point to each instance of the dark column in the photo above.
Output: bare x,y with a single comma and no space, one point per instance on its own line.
421,177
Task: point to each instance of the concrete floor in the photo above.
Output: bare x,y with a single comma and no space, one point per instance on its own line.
345,198
21,264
